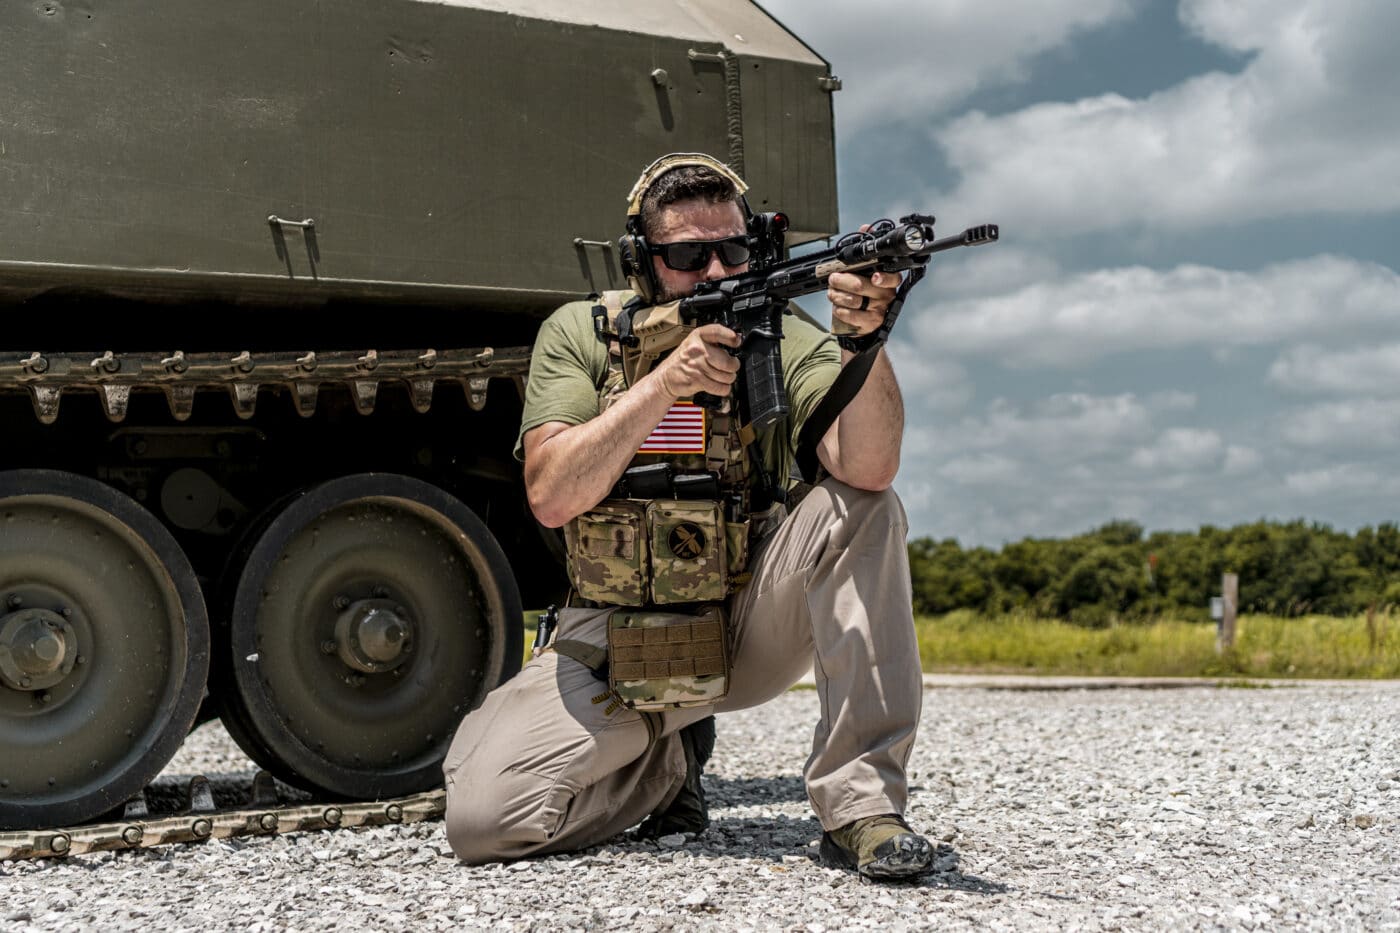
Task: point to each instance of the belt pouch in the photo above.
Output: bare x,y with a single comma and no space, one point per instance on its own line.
607,549
736,536
668,660
687,551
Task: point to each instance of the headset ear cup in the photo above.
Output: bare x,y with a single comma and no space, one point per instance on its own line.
636,265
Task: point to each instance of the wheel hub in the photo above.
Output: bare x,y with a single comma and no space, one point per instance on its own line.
37,649
374,635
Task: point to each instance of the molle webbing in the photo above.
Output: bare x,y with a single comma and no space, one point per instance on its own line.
685,650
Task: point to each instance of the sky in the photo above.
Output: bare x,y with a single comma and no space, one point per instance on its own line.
1193,314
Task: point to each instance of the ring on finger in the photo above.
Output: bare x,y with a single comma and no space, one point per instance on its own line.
864,303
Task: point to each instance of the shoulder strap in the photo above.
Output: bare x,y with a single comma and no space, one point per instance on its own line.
846,386
605,315
590,656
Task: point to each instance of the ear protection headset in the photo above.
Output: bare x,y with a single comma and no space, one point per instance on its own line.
632,248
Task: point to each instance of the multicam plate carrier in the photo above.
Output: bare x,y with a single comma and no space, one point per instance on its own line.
684,554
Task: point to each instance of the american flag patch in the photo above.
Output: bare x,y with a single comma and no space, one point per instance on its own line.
682,431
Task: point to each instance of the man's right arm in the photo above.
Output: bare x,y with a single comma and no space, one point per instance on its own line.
571,468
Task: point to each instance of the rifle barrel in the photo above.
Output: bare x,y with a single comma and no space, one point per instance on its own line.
972,236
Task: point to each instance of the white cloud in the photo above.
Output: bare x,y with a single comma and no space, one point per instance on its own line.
982,470
1338,478
1172,400
1008,447
1240,459
1372,370
1072,461
1311,124
1064,427
1349,425
1180,449
929,382
1083,317
1008,266
1053,466
896,57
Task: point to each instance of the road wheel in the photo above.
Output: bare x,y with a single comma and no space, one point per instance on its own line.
104,648
370,615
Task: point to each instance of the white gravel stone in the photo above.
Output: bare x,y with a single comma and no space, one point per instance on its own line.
1174,809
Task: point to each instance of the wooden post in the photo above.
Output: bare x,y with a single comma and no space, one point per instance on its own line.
1230,591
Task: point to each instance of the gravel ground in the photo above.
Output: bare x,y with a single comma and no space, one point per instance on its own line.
1108,809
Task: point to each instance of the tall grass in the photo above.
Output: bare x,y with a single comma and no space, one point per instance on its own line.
1265,646
1311,646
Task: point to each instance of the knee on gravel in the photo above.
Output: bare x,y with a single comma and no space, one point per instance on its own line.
478,825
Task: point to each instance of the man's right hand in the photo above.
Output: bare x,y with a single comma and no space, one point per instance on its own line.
571,468
701,363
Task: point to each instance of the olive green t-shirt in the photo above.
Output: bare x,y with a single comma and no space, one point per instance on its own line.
570,364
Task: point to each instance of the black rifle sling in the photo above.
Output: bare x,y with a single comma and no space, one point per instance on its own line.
847,385
845,388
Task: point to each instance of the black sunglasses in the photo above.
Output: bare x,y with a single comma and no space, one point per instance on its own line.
694,255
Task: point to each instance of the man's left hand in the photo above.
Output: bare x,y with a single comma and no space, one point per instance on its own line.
861,301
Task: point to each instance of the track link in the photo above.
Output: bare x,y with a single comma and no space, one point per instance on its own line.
202,822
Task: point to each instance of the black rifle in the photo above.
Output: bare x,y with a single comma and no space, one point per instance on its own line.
752,303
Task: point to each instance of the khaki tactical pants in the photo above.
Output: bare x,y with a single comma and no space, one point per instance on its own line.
549,763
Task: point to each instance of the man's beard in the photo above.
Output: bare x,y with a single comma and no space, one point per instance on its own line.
665,296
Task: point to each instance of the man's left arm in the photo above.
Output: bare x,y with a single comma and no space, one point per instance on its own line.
862,448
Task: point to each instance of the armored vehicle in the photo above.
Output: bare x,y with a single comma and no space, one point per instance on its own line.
269,275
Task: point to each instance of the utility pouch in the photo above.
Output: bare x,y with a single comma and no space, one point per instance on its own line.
687,551
607,547
668,660
737,541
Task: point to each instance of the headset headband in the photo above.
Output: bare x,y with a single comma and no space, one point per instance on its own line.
676,159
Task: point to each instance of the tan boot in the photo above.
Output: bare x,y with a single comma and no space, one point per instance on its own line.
879,847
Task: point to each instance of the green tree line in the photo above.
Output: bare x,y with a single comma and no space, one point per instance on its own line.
1116,573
